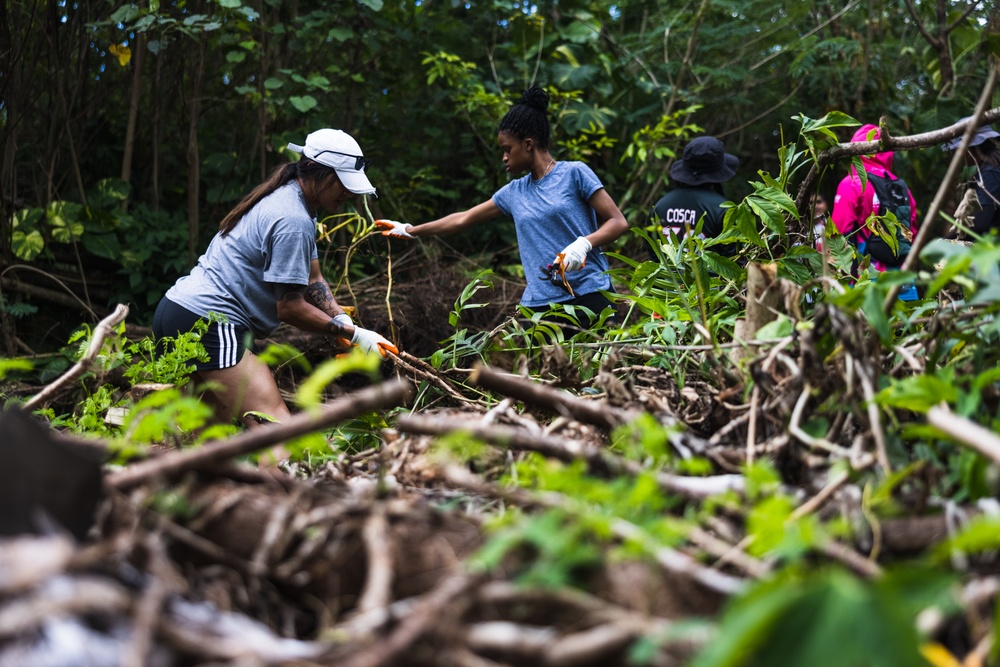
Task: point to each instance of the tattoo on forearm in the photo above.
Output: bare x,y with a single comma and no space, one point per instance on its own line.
335,328
319,295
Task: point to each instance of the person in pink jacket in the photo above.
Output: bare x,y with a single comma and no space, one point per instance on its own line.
852,207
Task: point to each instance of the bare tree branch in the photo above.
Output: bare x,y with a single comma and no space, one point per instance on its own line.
387,394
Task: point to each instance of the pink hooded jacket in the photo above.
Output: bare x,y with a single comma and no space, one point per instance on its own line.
851,206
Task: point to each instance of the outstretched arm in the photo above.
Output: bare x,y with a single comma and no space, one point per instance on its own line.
449,224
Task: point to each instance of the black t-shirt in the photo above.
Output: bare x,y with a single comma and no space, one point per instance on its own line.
683,207
988,191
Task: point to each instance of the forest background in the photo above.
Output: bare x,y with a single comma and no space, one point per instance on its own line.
820,483
128,130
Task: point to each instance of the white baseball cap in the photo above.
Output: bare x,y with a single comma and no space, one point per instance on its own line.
339,151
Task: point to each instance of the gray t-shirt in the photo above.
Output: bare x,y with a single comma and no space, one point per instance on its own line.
275,242
549,214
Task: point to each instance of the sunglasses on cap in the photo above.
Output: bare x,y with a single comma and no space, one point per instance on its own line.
360,162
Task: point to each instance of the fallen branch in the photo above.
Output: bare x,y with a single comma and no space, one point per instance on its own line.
387,394
966,432
604,416
424,614
377,593
101,331
600,460
668,558
423,370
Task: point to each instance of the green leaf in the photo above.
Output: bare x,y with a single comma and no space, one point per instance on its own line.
340,34
64,220
374,5
103,245
27,219
779,328
304,103
871,306
310,393
230,4
828,619
918,393
27,246
109,192
14,366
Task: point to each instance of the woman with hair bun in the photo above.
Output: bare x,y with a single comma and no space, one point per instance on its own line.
562,214
261,270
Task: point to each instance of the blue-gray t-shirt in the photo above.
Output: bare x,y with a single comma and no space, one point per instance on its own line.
549,214
275,242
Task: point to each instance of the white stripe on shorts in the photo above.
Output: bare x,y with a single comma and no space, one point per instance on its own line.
227,344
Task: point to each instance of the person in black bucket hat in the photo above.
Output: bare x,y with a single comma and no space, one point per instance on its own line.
984,155
697,177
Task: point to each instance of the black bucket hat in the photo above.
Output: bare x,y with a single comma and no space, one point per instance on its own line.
705,160
982,134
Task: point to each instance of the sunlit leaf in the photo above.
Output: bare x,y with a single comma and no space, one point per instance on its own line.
122,52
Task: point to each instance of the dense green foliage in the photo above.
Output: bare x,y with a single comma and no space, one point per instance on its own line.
128,130
130,155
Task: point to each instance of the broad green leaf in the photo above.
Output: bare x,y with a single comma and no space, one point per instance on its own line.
27,246
103,245
303,103
65,221
828,619
27,219
779,328
918,393
340,34
109,192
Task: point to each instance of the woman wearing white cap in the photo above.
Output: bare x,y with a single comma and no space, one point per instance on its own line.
262,269
985,156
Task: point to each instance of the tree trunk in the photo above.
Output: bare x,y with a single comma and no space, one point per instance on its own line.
138,56
193,159
157,119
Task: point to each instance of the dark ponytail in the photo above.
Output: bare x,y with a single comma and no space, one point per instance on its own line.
304,168
529,118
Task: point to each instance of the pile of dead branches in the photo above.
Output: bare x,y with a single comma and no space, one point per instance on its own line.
187,557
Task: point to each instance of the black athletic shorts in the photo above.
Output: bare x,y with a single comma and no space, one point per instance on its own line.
225,342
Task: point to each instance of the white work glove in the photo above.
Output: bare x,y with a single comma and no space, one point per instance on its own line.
343,320
574,256
369,341
393,228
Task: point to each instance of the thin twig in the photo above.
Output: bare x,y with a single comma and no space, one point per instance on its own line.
102,331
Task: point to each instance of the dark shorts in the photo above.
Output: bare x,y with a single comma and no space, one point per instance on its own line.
225,342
